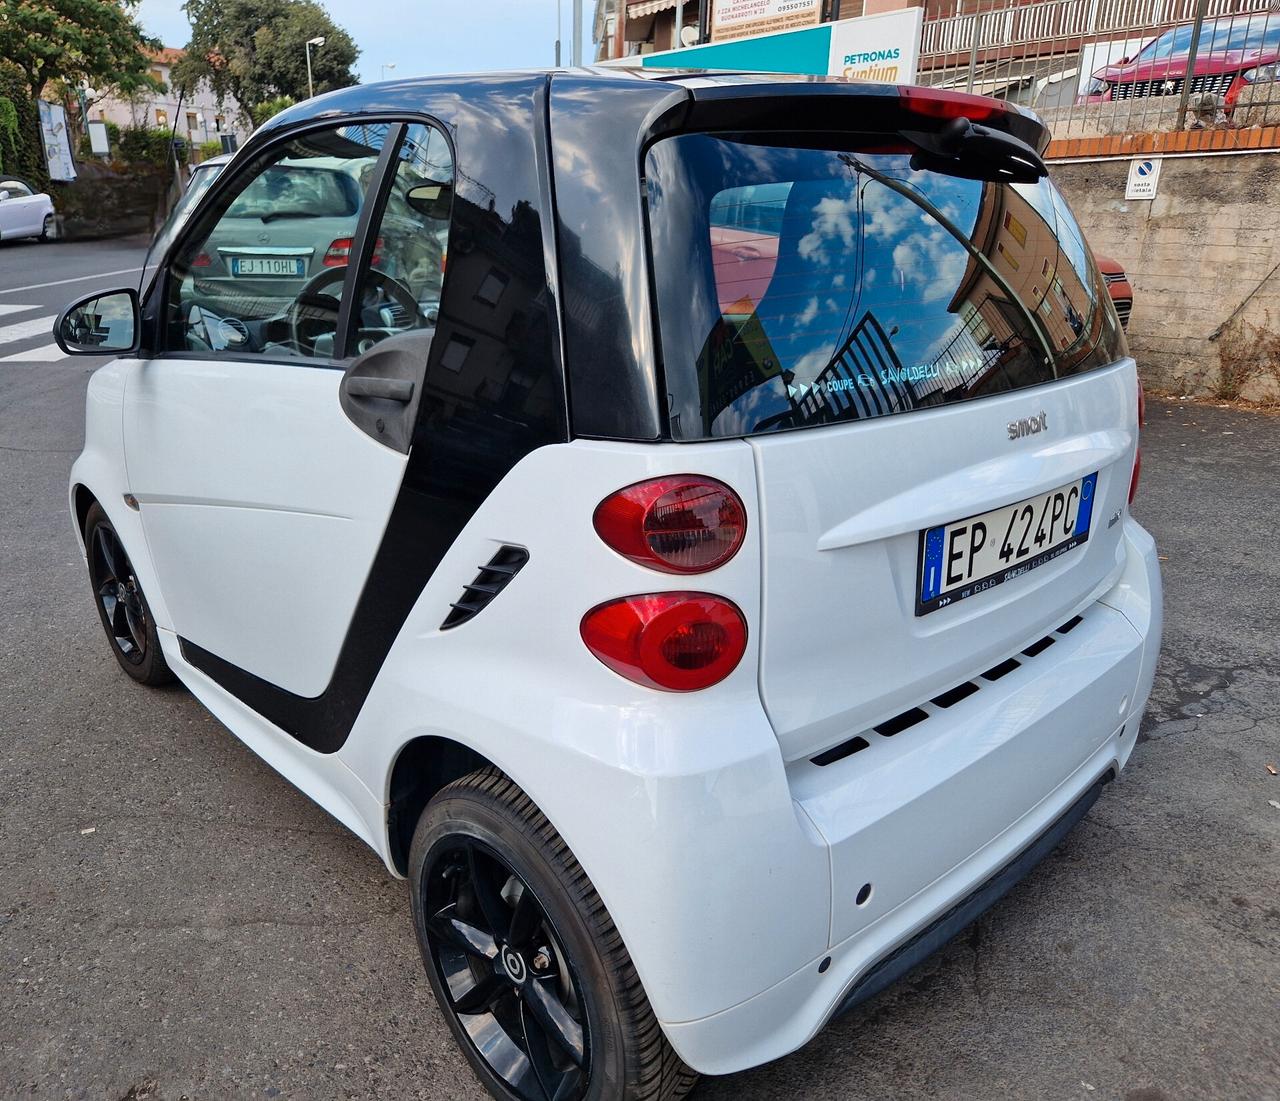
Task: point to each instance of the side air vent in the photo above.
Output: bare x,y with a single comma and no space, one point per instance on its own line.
915,715
489,582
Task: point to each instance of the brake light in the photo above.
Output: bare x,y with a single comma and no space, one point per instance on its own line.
679,642
1137,454
938,103
338,254
678,524
202,260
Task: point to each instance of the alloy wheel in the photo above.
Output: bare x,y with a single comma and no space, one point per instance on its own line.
118,595
505,973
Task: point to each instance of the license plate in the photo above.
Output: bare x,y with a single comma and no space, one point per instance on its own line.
268,265
970,556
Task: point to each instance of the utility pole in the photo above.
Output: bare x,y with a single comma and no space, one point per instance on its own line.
559,24
575,47
317,41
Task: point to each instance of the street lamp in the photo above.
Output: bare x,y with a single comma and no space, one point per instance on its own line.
388,65
317,41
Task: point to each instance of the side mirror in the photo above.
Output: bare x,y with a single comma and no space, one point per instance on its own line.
102,324
3,195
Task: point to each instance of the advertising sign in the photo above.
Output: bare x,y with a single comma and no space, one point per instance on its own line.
57,145
1144,178
739,18
99,139
883,48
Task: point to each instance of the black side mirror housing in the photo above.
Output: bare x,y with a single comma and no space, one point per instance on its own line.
106,323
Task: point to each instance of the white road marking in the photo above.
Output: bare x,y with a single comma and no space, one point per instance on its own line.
14,308
74,279
25,330
48,353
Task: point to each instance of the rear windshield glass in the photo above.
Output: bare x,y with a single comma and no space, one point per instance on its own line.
807,286
290,191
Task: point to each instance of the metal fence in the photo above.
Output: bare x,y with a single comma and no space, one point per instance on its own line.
1091,67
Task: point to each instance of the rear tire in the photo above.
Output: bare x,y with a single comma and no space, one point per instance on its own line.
519,947
46,231
122,607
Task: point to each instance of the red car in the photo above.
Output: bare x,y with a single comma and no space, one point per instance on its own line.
1117,286
1233,53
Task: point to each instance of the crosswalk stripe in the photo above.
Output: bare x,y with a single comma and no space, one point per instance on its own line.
8,308
48,353
25,330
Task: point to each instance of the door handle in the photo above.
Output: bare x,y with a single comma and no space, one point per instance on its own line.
392,389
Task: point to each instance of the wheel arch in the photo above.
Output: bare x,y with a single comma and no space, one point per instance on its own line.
82,500
423,766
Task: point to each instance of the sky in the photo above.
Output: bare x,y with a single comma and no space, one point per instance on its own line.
422,37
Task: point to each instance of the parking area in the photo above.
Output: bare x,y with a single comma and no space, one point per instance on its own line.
177,921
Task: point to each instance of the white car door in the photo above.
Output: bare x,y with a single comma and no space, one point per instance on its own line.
13,212
264,502
22,212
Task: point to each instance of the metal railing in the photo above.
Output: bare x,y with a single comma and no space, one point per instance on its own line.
1092,67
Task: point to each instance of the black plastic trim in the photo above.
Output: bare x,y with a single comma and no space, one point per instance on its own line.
965,912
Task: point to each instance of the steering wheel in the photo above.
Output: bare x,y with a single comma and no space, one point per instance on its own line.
313,313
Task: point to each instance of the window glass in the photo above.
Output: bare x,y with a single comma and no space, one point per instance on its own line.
400,290
805,286
263,272
16,188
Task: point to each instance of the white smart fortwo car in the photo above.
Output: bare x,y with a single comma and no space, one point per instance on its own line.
695,552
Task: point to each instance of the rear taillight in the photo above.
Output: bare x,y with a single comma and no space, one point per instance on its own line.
202,260
338,254
937,103
679,524
680,641
1137,454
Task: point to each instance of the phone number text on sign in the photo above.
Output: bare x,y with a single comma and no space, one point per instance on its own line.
739,18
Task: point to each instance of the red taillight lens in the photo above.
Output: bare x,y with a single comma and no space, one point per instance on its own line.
338,253
679,642
203,260
680,524
938,104
1137,455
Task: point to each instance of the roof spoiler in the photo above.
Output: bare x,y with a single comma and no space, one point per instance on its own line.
723,103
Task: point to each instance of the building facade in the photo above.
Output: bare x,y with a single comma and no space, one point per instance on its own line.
199,118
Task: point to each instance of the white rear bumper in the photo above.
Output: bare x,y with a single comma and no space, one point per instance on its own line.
930,816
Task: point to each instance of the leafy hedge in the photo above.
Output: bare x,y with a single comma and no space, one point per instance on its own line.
20,142
143,146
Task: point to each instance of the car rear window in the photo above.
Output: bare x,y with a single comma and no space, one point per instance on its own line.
288,191
800,286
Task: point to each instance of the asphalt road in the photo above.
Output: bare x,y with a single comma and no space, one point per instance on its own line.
217,935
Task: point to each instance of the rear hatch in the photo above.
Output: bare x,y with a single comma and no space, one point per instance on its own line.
936,389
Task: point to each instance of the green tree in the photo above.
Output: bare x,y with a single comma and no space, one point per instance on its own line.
255,50
269,107
90,41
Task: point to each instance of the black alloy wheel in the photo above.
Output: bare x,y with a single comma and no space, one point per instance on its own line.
122,606
525,962
119,598
505,972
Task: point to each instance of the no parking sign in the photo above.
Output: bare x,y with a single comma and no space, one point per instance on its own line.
1144,178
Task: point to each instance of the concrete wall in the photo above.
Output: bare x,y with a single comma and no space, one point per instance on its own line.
1193,255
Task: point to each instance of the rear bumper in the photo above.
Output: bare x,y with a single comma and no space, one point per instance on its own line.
940,822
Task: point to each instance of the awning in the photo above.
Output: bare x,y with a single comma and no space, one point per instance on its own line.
649,7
